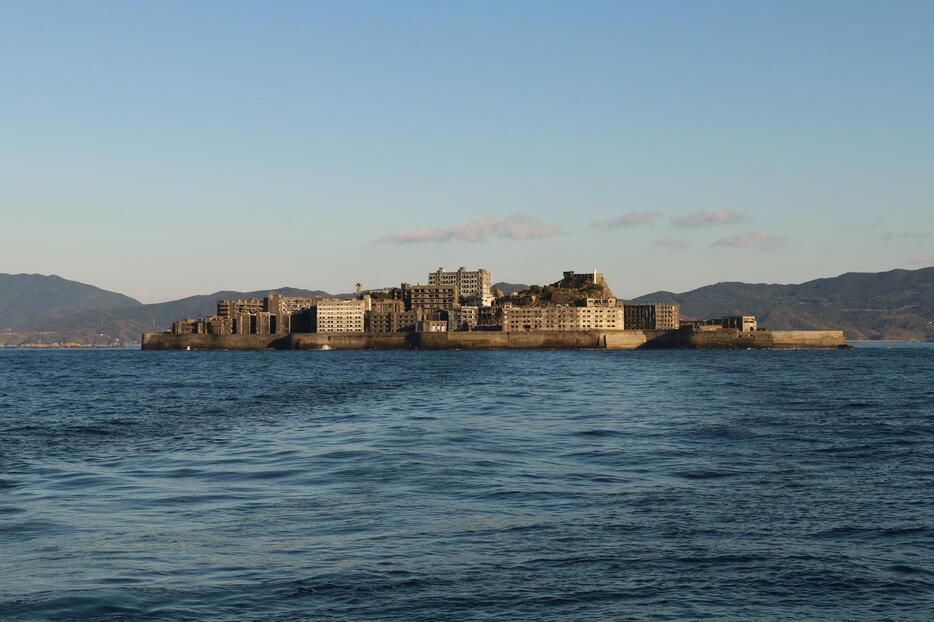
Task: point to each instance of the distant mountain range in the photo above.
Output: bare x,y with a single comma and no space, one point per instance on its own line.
894,305
509,288
28,297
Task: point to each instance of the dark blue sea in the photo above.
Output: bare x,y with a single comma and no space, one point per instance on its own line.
524,485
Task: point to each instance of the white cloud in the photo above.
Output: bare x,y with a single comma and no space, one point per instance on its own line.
671,244
521,226
760,239
706,219
525,226
631,219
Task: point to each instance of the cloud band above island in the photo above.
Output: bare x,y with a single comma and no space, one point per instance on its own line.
520,226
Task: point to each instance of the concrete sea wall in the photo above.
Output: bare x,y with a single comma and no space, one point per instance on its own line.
168,341
735,339
349,341
807,338
489,340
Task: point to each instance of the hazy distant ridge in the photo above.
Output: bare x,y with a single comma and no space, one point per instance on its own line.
509,288
29,297
898,304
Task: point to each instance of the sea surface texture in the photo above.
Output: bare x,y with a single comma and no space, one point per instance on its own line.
538,485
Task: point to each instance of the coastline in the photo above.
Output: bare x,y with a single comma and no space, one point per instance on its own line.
493,340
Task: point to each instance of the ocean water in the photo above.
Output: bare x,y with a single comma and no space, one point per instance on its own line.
526,485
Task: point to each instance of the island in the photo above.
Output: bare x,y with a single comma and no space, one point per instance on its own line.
459,309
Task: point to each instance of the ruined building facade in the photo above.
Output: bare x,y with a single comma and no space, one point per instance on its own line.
471,284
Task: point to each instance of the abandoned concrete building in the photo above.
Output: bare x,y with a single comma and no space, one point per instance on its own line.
452,301
471,285
652,316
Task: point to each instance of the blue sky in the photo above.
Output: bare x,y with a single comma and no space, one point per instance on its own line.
172,148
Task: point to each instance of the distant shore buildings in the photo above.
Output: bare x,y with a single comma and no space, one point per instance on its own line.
460,300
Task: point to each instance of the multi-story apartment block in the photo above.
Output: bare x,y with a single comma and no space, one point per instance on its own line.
652,316
288,305
488,318
218,325
187,327
247,315
463,318
600,318
390,305
471,284
431,326
338,316
743,323
393,321
211,325
229,308
242,323
563,318
538,318
288,309
603,302
430,296
265,323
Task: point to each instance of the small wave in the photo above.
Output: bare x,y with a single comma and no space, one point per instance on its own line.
75,605
723,559
599,433
885,532
702,474
906,569
29,529
365,584
849,449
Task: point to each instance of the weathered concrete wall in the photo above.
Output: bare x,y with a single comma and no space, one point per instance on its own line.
296,341
168,341
625,339
349,341
687,338
487,340
807,338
